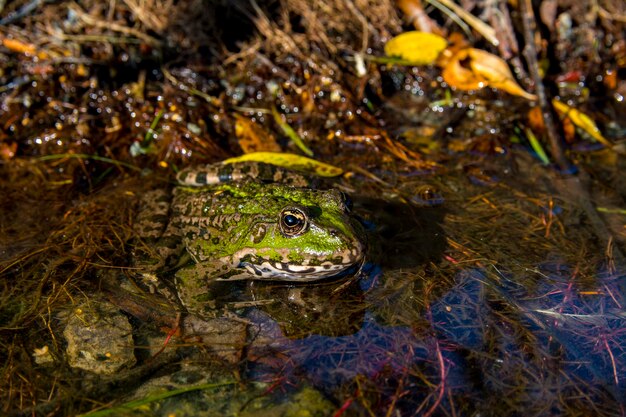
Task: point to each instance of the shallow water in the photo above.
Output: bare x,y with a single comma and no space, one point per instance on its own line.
502,298
517,310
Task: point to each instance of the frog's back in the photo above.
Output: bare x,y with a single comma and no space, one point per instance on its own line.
213,174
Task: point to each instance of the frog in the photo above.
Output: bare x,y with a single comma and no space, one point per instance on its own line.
246,221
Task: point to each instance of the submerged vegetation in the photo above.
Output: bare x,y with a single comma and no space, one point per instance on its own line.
505,299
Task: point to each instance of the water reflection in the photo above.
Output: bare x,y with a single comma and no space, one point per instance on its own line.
558,330
485,337
333,309
328,360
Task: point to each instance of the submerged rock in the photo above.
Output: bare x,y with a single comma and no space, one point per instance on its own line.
207,391
99,338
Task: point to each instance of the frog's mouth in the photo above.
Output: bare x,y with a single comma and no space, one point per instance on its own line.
348,263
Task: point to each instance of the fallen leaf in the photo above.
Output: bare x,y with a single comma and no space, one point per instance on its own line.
252,137
458,76
581,120
497,73
7,150
569,130
535,119
291,161
548,13
23,48
418,48
472,68
610,79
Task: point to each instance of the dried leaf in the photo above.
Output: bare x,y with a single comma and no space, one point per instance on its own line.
548,13
456,75
7,150
18,46
483,69
291,161
252,137
581,120
569,130
407,155
610,79
419,48
535,119
497,73
23,48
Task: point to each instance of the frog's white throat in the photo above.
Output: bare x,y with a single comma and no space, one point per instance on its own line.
285,272
306,271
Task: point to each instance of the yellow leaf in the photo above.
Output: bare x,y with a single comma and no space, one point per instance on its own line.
581,120
497,73
471,68
290,161
19,46
419,48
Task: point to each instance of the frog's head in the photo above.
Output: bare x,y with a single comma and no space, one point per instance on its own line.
297,235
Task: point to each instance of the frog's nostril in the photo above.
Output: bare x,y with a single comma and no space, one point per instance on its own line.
333,232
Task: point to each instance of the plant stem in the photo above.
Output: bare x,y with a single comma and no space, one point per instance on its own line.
530,53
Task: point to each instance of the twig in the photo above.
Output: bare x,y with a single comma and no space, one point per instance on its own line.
481,27
575,187
612,16
364,24
415,14
24,11
90,20
530,53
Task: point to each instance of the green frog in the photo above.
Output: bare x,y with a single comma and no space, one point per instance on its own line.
250,221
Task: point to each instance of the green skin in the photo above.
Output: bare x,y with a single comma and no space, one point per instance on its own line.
237,230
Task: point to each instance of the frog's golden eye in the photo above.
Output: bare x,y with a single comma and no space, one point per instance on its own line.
293,221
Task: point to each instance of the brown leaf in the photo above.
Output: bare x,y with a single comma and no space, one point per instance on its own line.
535,119
7,150
253,138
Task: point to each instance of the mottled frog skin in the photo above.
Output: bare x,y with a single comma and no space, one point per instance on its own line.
249,221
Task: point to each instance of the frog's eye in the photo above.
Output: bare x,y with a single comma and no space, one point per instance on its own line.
293,222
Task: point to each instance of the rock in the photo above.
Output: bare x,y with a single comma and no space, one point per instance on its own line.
225,337
99,338
212,392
